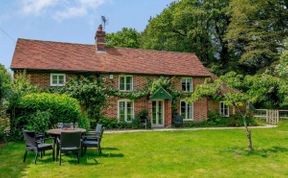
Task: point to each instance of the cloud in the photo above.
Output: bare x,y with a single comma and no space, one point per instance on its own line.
60,9
37,6
81,8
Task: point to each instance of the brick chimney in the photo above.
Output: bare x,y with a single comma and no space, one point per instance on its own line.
100,40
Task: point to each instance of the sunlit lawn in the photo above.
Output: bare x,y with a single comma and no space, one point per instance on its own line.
209,153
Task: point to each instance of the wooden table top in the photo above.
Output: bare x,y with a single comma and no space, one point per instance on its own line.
58,131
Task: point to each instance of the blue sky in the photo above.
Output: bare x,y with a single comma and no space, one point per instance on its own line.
69,20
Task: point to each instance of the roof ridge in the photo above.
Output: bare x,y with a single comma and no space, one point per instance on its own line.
140,49
49,41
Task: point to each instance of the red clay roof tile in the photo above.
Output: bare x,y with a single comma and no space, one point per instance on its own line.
47,55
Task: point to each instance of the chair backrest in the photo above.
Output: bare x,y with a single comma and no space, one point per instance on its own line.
70,139
177,119
99,131
60,125
68,125
29,138
99,128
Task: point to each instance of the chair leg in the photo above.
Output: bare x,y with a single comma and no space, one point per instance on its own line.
99,149
60,157
78,153
41,154
57,152
53,152
25,156
36,156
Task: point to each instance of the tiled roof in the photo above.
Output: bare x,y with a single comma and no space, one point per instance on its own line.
47,55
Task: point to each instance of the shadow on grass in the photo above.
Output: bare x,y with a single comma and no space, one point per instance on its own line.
92,154
243,151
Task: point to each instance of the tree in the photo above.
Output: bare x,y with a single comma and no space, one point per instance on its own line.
256,32
20,87
127,37
5,87
232,89
282,70
282,67
191,26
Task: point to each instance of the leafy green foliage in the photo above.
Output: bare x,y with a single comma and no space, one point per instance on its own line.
282,67
5,88
39,121
216,120
91,93
127,37
5,83
40,111
62,107
191,26
256,31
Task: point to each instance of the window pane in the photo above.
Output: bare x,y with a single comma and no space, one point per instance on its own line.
160,112
190,110
128,83
183,109
60,79
122,83
54,79
122,110
154,113
184,85
188,85
129,111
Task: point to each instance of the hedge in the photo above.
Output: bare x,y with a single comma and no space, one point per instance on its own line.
62,108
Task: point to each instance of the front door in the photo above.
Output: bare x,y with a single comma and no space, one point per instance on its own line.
157,113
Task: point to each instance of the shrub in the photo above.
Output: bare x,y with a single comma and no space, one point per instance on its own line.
39,121
113,123
216,120
4,125
45,109
84,122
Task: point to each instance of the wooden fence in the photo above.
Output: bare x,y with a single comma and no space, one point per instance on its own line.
272,116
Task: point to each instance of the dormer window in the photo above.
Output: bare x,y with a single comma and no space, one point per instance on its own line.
57,80
187,85
125,83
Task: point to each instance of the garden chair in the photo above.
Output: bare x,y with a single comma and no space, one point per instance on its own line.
36,144
69,142
62,125
177,120
93,139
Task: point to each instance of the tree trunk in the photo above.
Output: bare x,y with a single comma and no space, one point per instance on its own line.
248,133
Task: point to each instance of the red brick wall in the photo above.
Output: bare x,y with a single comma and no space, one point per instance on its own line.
42,79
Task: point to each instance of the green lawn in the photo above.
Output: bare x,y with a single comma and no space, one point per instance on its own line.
209,153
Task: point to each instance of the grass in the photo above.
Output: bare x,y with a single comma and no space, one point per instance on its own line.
206,153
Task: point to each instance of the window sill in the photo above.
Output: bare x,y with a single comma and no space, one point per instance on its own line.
126,91
57,85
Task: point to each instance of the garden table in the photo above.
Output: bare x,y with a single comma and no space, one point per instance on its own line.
55,133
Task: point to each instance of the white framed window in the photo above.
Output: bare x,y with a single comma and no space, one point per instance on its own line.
187,84
223,109
125,110
57,79
186,110
125,82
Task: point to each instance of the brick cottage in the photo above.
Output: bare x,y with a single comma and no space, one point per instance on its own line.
51,64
